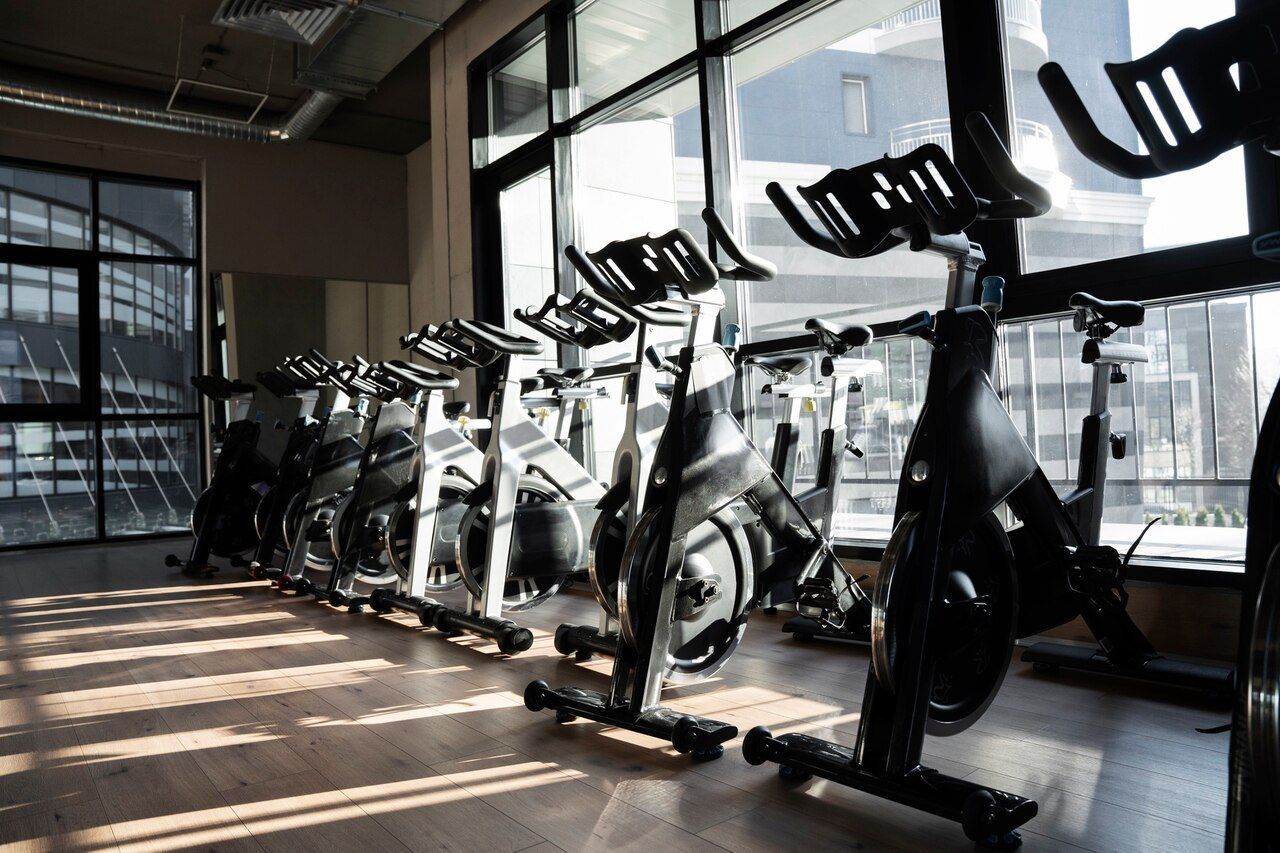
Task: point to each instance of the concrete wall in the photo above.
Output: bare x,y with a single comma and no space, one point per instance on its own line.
306,209
271,317
439,232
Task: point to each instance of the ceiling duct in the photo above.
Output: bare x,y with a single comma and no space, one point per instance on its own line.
358,45
302,21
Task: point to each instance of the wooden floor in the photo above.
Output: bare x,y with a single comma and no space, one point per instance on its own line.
141,710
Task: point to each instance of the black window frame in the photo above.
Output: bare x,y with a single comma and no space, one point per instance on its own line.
89,409
974,56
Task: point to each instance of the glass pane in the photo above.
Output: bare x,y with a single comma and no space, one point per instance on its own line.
793,90
147,220
148,338
46,483
518,99
528,256
39,335
39,208
639,172
1191,416
740,11
150,475
1096,214
617,42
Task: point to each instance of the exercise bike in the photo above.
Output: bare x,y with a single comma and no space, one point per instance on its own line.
718,533
308,434
521,534
356,524
222,520
319,468
1228,77
419,533
955,588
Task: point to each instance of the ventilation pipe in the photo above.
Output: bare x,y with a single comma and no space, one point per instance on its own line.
368,41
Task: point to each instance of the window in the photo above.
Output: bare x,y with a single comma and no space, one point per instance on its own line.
659,120
855,106
1097,215
518,98
617,42
118,454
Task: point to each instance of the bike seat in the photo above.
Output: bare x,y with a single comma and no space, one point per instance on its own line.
1122,312
453,411
567,375
780,367
839,338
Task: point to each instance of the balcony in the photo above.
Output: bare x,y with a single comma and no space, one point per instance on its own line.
917,32
1032,145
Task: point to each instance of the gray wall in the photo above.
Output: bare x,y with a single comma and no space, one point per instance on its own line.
285,209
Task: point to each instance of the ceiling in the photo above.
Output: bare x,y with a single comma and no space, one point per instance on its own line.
135,44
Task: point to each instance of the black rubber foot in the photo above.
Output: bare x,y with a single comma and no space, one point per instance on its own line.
560,641
563,716
707,753
172,561
753,745
515,641
582,655
533,695
980,819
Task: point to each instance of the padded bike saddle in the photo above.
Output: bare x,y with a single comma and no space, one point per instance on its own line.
1122,312
839,338
453,411
780,367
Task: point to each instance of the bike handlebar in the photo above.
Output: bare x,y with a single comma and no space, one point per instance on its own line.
1030,199
655,313
1084,131
746,266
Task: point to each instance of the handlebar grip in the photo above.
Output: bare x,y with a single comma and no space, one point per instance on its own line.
1030,198
496,338
1084,132
748,267
782,200
418,376
322,358
992,293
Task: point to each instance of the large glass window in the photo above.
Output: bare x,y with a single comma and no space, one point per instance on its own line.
797,91
518,99
839,83
1190,415
617,42
111,470
1098,215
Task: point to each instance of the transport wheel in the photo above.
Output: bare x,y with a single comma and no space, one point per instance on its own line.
473,532
973,640
1262,701
441,577
717,567
320,554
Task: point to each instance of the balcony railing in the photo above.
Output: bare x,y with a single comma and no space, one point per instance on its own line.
1026,12
1032,146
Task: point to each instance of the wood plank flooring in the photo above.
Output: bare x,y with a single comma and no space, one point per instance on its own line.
140,710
